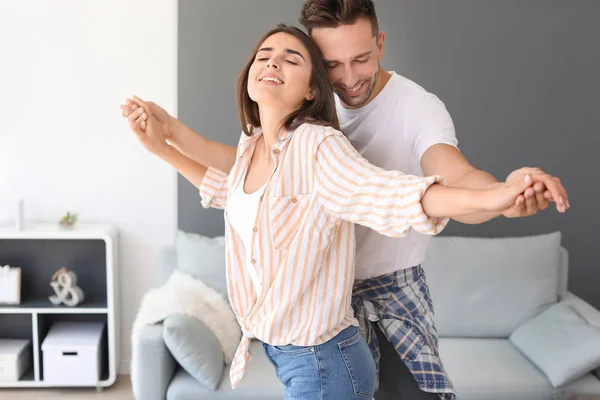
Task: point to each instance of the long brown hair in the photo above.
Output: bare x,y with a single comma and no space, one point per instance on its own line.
333,13
320,110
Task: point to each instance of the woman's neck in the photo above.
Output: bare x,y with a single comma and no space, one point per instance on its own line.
272,120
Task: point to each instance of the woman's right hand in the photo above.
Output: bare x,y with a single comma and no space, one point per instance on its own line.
148,130
168,123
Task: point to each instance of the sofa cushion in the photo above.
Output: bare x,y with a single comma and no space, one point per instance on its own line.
488,287
561,343
492,369
203,258
260,383
195,348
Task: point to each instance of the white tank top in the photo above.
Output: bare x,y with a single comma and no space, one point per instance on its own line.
241,213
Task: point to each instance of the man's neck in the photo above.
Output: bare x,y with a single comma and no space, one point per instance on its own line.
384,78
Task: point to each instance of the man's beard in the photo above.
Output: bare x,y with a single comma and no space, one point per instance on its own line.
359,101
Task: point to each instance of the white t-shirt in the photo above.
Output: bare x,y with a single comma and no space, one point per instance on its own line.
392,132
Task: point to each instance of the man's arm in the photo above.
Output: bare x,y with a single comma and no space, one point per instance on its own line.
447,161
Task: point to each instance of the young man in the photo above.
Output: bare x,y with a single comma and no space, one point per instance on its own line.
395,124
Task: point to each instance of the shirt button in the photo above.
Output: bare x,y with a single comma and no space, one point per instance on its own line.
253,261
255,229
294,200
275,151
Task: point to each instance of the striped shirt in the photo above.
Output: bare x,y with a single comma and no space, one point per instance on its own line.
303,239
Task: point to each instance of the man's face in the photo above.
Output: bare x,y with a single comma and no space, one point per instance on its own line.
352,57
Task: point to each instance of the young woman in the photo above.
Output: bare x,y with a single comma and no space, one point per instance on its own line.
291,201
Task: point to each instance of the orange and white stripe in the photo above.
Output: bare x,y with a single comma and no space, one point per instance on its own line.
303,242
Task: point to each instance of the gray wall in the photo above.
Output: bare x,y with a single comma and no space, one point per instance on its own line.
520,79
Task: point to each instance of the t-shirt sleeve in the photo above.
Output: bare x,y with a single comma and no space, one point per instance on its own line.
428,123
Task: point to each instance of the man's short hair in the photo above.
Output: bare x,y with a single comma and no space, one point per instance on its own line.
333,13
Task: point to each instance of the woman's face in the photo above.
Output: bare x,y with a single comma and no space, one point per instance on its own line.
280,73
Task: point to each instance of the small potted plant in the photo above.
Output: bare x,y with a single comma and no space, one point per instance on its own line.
68,220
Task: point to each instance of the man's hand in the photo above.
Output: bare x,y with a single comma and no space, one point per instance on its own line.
546,188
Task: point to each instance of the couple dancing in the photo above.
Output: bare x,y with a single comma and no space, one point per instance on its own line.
314,267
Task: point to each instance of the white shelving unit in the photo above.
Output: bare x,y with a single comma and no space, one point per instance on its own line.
90,250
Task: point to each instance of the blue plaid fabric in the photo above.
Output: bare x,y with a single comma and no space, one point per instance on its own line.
401,305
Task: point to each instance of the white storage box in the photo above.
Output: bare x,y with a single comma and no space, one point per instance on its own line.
15,359
71,354
10,285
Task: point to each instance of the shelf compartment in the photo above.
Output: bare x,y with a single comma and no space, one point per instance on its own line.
39,259
19,326
45,321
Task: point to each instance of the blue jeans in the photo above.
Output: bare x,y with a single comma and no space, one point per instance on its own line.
340,369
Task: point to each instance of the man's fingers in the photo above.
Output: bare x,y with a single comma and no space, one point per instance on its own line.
539,187
542,202
520,202
133,103
145,105
141,102
135,115
127,110
518,209
530,202
141,118
529,192
136,129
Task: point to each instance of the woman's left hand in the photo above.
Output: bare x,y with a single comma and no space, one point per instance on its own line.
503,196
546,188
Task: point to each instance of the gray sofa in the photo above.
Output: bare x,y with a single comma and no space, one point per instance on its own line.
485,291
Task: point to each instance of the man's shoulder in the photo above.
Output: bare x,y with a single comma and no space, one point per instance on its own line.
400,96
415,99
403,88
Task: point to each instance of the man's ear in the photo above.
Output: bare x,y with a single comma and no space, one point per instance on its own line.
380,45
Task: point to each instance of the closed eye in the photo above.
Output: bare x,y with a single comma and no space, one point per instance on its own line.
291,62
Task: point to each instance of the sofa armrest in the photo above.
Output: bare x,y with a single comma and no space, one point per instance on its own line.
152,366
587,312
583,308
